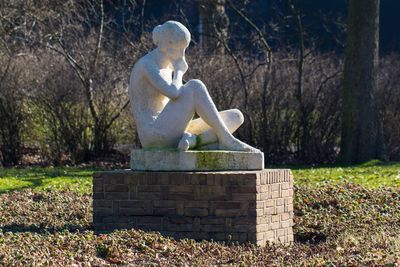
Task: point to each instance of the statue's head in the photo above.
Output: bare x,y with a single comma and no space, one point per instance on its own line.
172,38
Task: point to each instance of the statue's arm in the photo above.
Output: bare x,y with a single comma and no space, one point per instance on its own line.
170,90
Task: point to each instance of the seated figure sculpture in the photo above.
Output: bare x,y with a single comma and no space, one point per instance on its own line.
164,107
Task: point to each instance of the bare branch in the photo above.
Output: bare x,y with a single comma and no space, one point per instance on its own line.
257,29
116,116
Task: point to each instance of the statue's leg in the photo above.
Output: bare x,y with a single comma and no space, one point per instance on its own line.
173,120
232,118
194,98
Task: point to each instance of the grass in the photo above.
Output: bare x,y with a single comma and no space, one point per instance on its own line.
47,178
372,175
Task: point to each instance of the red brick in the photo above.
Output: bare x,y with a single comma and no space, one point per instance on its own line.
192,180
225,204
176,179
197,212
148,219
180,219
243,228
240,196
280,201
164,211
243,189
114,178
262,228
103,211
274,225
285,224
116,195
202,179
275,194
280,209
98,175
263,178
179,196
148,195
285,216
229,213
212,193
98,187
212,220
102,204
269,211
116,188
98,195
244,221
148,188
269,203
275,218
196,204
181,189
149,227
131,204
132,211
275,187
212,228
285,193
180,227
210,180
285,185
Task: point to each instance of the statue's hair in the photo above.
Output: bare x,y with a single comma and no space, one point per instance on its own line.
171,32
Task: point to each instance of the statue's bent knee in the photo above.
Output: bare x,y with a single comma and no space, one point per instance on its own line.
239,118
196,84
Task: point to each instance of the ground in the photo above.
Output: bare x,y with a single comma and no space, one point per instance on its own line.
343,216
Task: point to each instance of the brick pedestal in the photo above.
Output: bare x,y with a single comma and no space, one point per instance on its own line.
250,206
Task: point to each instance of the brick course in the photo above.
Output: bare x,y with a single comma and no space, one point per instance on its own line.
249,206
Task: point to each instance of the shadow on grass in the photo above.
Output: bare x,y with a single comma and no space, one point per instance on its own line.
311,238
14,179
20,228
33,183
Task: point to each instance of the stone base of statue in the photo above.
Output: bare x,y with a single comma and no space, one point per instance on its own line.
205,160
244,206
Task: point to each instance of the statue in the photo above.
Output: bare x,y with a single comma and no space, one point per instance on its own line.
163,107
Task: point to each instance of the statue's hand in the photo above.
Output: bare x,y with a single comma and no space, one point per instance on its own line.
180,66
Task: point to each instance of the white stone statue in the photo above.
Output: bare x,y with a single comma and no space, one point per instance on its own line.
163,107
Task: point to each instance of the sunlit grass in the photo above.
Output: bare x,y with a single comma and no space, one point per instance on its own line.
372,174
39,178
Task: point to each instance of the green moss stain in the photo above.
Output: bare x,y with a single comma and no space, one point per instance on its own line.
207,160
198,141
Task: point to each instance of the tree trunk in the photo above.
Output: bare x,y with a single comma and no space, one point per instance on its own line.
213,25
362,137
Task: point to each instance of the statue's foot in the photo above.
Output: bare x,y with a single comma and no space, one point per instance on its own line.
187,142
237,145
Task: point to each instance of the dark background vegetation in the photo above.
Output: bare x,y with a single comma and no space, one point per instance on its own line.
65,65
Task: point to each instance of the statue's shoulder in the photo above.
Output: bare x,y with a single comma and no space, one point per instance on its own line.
145,62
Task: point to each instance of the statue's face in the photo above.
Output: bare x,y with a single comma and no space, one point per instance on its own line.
172,38
174,51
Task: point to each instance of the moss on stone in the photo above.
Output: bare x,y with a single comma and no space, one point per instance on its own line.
207,160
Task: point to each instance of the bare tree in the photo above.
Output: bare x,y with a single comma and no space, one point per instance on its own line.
89,58
213,25
362,132
12,112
